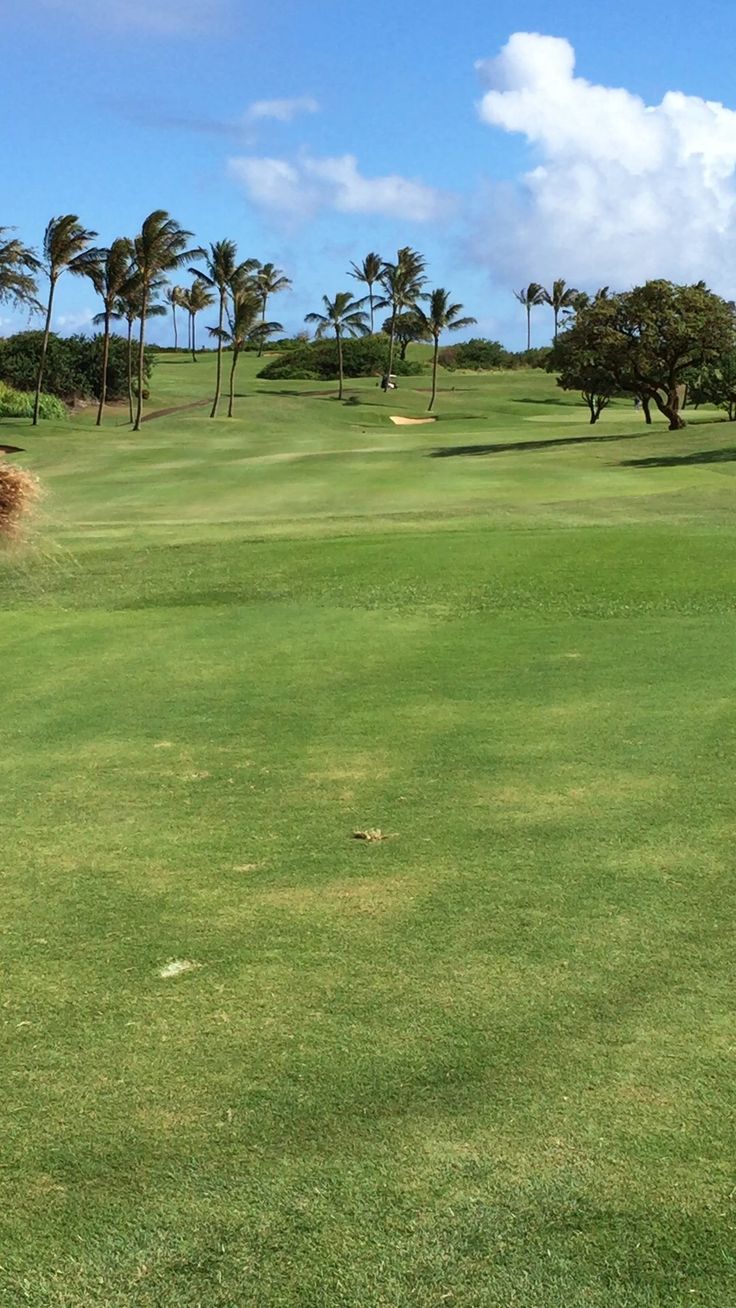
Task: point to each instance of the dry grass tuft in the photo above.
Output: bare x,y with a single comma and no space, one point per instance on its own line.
372,833
19,491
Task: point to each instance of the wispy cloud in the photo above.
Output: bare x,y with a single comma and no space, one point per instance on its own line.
158,17
622,190
74,322
301,189
281,111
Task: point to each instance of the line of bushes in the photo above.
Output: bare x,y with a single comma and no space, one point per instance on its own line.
481,355
364,356
73,365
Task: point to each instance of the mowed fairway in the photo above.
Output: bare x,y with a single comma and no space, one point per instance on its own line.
485,1063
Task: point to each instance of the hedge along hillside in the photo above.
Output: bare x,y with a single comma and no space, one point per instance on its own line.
365,356
73,365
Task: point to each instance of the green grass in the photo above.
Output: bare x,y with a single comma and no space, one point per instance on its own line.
487,1062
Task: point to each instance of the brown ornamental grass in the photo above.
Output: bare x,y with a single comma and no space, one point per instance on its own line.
19,491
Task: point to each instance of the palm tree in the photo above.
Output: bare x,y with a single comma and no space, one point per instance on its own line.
441,316
369,272
111,279
244,325
345,316
18,264
173,295
196,298
270,281
159,248
530,296
560,297
402,282
65,249
127,308
222,272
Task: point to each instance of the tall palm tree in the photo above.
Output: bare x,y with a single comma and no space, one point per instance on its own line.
270,280
222,271
530,296
243,325
194,300
65,249
369,272
345,316
441,316
127,308
403,282
560,297
159,248
111,278
18,265
173,295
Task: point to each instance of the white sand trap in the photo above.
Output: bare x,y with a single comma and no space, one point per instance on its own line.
411,422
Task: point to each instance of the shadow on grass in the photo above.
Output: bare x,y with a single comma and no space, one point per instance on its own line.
726,455
511,447
565,404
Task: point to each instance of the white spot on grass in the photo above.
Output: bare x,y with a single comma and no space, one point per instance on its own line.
176,967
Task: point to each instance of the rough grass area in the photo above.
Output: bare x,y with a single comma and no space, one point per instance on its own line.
250,1059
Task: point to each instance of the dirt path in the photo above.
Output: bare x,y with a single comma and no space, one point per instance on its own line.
177,408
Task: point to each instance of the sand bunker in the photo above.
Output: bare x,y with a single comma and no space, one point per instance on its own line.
411,422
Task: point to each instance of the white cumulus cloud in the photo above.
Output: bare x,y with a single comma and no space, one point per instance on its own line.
282,111
303,188
621,190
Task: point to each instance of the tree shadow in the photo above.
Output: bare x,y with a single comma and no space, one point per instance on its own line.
510,447
566,404
726,455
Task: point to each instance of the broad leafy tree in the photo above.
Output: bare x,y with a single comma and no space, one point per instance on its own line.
369,273
345,316
112,277
66,248
159,248
18,268
408,329
270,281
562,297
530,296
403,282
440,316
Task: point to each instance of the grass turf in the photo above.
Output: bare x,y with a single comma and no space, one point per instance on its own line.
487,1062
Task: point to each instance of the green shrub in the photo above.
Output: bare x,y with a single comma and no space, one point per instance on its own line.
366,356
73,365
19,404
478,355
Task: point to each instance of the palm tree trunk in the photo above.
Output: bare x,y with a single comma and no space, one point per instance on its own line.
391,345
370,297
130,367
218,377
528,327
233,366
434,373
105,357
42,360
339,361
141,360
263,321
176,334
556,317
194,344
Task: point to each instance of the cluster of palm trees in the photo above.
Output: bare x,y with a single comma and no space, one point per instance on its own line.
561,298
401,288
130,276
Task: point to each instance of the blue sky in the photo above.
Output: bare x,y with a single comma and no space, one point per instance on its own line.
312,131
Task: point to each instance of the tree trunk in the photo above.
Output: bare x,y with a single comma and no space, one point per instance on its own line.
176,334
557,314
42,360
647,410
194,342
434,373
130,367
370,297
105,357
218,376
391,343
669,409
339,361
263,320
141,359
233,366
528,327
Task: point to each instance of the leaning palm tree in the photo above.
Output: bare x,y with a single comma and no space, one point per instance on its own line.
402,282
369,272
65,249
441,316
127,308
345,316
243,326
560,297
530,296
159,248
18,266
111,279
173,295
270,280
194,300
222,271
